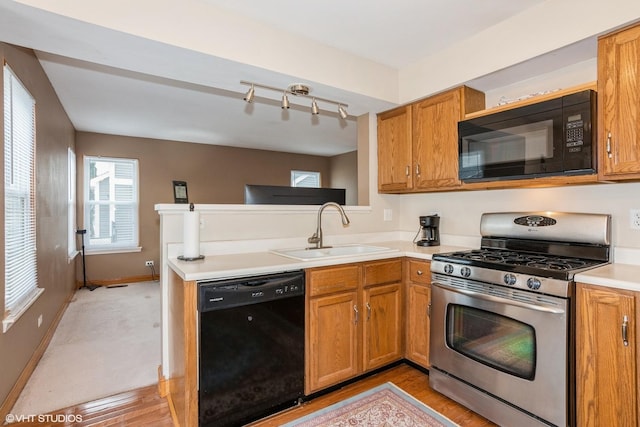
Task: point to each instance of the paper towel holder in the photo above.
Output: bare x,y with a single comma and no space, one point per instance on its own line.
195,258
182,257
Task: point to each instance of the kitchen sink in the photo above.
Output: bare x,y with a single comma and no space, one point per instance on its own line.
309,254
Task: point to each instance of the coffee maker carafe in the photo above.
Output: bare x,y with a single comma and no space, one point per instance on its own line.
429,231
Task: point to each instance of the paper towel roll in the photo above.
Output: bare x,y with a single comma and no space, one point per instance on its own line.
191,234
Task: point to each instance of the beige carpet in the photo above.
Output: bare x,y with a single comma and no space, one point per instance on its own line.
108,341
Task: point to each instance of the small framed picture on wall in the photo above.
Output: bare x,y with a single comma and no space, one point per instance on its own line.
180,192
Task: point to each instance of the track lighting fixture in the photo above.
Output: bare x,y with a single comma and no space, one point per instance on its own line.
296,89
250,95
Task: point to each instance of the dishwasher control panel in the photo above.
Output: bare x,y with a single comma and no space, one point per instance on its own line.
227,293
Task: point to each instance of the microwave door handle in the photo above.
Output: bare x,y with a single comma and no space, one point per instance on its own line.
492,298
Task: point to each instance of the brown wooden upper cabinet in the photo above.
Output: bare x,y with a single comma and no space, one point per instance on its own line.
418,143
394,150
619,105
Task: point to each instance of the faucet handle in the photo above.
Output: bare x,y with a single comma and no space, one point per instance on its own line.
314,239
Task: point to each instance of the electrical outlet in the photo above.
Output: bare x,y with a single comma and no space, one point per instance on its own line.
634,219
148,263
39,320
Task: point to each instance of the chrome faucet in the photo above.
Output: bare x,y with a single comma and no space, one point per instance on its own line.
317,236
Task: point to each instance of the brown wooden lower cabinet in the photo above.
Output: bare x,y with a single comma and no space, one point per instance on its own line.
354,320
332,340
418,286
382,325
607,364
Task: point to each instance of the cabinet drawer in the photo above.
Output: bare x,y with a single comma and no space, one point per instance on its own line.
379,272
420,271
334,279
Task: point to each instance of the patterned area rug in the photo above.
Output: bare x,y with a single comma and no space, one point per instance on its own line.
383,406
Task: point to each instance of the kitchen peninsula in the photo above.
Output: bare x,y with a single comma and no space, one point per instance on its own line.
182,304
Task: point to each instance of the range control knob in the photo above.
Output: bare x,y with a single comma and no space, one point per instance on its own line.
465,271
448,269
533,283
509,279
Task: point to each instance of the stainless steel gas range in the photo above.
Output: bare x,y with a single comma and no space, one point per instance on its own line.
502,316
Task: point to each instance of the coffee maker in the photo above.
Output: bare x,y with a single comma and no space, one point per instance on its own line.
429,231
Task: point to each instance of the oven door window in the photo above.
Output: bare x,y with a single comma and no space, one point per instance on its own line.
492,339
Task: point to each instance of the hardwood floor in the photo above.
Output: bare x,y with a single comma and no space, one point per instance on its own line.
140,407
144,407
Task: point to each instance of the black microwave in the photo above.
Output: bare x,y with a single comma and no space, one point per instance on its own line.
554,137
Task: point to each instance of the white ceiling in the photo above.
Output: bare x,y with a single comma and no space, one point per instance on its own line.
117,83
394,33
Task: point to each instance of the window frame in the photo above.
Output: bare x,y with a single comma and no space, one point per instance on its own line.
108,248
19,154
296,178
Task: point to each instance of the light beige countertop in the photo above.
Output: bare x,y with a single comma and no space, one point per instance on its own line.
220,266
619,276
247,264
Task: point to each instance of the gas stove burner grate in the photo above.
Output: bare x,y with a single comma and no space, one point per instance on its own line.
510,258
569,264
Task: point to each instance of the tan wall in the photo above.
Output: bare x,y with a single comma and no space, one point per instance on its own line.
214,174
54,134
344,174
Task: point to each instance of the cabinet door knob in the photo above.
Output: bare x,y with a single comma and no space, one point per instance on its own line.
368,312
419,272
418,169
625,331
355,308
609,144
407,171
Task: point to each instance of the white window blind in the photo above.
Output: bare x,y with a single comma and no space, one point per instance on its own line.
305,179
111,204
21,280
71,203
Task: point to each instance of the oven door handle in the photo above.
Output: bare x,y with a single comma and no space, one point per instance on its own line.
492,298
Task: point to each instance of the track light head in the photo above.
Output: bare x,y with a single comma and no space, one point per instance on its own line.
250,95
314,107
342,112
285,101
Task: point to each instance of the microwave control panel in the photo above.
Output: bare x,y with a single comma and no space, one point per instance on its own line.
575,133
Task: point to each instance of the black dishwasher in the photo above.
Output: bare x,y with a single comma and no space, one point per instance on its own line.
251,347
